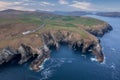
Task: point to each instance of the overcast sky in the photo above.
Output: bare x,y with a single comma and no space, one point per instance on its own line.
61,5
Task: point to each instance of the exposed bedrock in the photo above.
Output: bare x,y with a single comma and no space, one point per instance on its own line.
86,44
100,30
6,55
42,54
93,46
25,53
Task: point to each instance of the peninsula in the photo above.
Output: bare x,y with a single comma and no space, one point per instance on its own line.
30,34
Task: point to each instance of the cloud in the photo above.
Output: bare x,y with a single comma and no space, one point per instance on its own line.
4,5
17,3
12,5
47,10
22,8
81,5
63,2
46,4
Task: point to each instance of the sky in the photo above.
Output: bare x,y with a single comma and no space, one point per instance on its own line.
61,5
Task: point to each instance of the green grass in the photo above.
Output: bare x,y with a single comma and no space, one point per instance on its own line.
23,19
68,18
72,29
70,21
57,22
54,20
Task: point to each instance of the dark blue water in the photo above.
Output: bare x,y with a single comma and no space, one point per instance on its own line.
66,64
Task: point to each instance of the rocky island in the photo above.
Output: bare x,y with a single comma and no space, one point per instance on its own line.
30,34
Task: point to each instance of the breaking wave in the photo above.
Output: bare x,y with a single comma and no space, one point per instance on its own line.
93,59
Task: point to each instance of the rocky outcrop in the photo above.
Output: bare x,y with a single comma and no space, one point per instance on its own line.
53,38
25,53
99,30
43,53
6,55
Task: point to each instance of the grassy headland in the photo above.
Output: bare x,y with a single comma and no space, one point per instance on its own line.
14,23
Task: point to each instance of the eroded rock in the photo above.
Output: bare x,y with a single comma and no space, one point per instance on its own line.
100,31
53,38
84,45
6,55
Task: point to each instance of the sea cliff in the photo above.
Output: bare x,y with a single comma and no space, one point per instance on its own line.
78,32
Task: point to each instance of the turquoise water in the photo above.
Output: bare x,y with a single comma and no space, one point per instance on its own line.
65,64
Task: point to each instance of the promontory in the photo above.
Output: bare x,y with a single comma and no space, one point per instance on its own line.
30,34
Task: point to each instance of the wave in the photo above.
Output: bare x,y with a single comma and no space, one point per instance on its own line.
115,73
83,55
104,62
41,66
113,49
54,63
93,59
113,66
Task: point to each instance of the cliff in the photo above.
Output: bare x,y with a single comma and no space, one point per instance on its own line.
100,30
89,44
52,38
78,32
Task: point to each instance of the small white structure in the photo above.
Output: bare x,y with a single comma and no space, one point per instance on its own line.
27,32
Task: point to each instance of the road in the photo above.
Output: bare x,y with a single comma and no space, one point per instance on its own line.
32,31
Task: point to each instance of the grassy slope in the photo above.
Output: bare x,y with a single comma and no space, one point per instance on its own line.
71,23
52,22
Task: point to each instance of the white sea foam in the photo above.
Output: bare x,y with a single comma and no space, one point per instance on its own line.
30,68
62,60
47,72
83,56
113,66
42,65
93,59
104,62
113,49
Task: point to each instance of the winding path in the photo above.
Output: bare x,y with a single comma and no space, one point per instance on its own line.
32,31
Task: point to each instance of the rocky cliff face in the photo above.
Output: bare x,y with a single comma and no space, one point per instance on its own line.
25,53
53,38
99,30
78,32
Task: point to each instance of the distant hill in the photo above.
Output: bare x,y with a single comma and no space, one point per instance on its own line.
81,13
45,13
71,13
109,14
